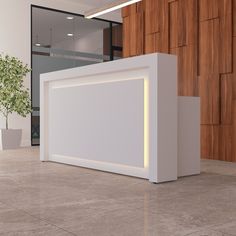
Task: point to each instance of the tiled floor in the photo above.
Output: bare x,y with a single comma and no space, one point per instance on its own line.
53,199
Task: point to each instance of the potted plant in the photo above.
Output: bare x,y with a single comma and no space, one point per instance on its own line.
14,97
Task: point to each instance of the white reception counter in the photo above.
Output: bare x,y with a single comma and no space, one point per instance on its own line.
120,117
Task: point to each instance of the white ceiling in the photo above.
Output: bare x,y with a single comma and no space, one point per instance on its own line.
115,15
92,3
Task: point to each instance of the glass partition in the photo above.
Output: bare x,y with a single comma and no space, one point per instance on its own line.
62,40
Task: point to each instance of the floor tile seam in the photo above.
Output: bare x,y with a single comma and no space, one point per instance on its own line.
215,173
4,204
188,195
210,228
23,231
226,234
48,222
199,231
194,194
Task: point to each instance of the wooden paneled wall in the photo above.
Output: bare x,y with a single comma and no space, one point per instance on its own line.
202,33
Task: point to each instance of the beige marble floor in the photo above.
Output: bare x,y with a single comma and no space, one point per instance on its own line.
53,199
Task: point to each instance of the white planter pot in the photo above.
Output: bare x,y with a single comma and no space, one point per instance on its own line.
10,139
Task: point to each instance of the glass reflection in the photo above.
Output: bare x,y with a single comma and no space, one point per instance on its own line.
62,41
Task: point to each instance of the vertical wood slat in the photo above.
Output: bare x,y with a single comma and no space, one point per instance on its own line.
225,7
152,16
133,35
187,70
208,9
164,15
215,142
226,99
183,23
226,44
157,20
210,135
173,17
234,18
187,22
136,34
210,99
158,33
151,43
234,68
126,36
211,9
129,10
140,7
154,43
125,12
206,143
209,47
132,9
225,144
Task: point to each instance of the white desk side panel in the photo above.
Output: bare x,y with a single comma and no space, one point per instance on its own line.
188,136
167,146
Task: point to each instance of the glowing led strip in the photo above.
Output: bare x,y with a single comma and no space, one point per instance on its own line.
109,7
78,84
146,123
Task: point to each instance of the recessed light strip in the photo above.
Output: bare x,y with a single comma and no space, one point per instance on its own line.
69,17
109,7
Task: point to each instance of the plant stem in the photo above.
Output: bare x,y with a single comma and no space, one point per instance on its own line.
7,121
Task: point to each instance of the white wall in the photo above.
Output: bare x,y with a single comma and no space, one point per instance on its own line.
15,40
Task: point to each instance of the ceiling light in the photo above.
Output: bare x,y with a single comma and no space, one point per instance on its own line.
37,44
109,7
69,17
70,35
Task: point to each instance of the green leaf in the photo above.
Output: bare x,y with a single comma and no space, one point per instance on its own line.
14,97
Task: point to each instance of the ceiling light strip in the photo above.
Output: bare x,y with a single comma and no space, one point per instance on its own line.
109,7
